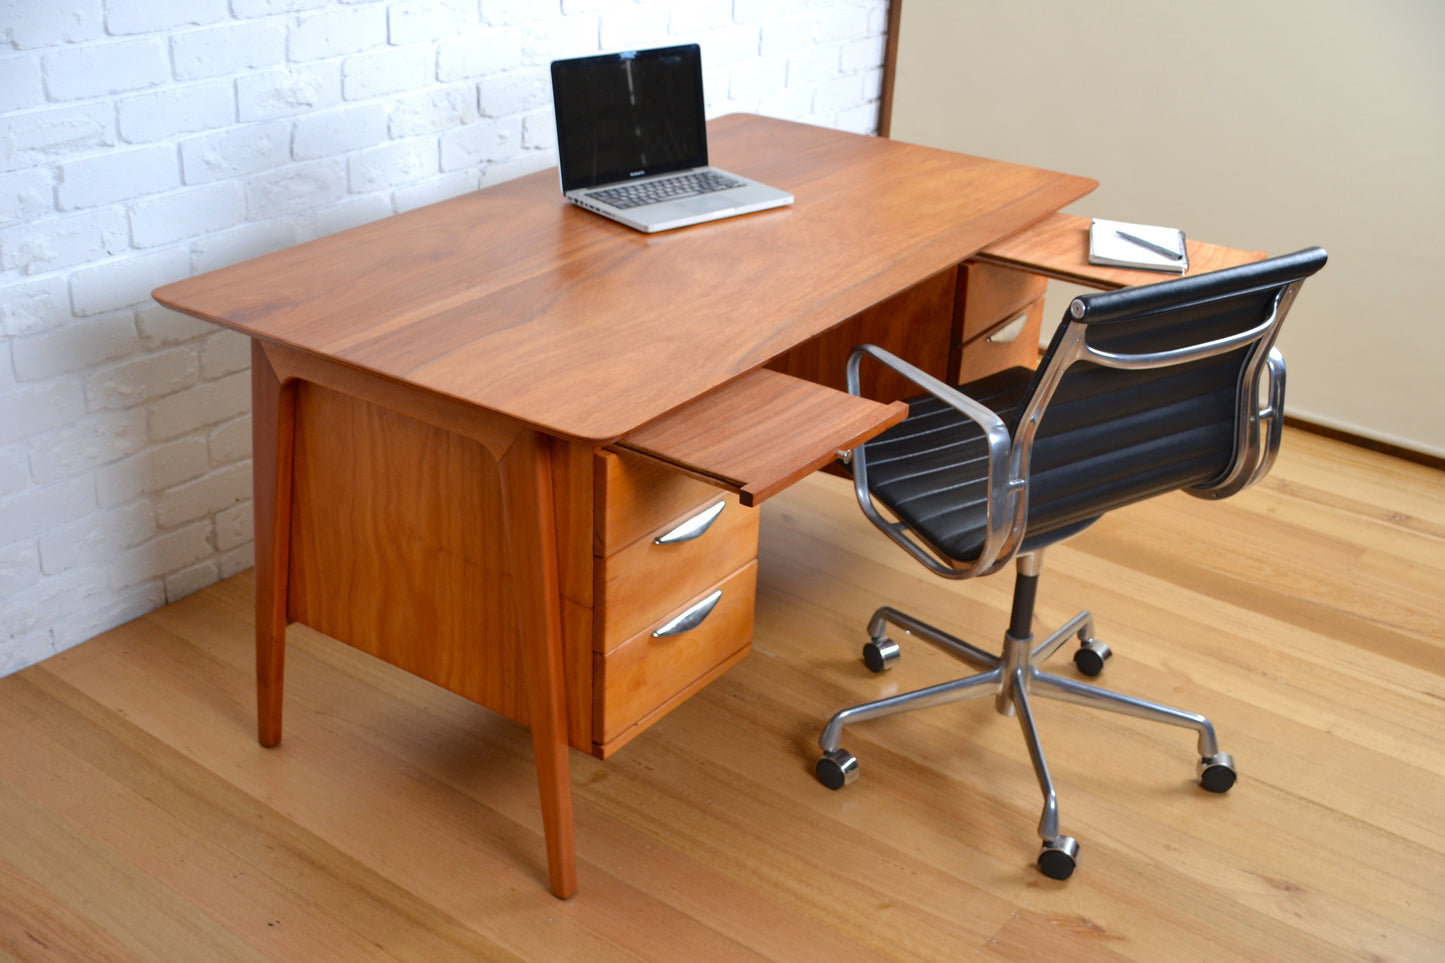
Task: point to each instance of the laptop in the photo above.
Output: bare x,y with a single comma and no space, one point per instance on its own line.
632,141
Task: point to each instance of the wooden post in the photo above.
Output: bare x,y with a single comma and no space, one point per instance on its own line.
273,433
532,535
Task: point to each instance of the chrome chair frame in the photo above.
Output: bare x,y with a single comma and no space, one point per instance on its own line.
1015,675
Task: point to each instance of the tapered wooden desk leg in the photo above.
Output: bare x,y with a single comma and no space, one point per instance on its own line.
532,535
273,432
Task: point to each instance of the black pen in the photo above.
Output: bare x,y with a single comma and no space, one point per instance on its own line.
1156,248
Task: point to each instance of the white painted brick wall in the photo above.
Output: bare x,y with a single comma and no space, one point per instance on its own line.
230,442
239,244
228,48
124,281
339,131
288,91
489,51
154,470
296,188
181,109
388,71
49,245
7,378
94,70
167,218
20,85
95,539
117,175
25,195
34,306
31,26
142,141
153,16
30,409
235,152
414,21
84,343
137,380
434,110
332,33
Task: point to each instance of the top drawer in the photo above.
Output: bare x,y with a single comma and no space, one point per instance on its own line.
989,295
636,496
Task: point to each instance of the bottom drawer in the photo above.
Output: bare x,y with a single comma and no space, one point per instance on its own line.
639,681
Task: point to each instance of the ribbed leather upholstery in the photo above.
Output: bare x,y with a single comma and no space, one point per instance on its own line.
931,470
1108,437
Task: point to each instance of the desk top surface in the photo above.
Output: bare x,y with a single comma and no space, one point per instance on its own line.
514,300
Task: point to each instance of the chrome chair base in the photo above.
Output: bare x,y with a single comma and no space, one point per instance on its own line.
1013,678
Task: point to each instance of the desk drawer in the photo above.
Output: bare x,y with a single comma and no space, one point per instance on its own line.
989,353
644,581
642,678
988,294
637,497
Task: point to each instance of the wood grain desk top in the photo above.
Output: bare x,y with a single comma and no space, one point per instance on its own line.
513,300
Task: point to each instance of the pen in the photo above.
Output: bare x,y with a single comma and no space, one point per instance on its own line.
1156,248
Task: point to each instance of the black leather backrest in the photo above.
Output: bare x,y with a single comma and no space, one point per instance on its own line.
1108,437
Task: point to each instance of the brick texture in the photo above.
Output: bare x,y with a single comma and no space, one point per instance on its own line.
142,141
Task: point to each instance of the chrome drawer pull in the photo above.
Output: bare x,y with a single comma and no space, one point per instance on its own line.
693,527
1010,331
690,619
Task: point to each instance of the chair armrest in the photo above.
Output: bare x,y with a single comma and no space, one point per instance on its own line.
1003,506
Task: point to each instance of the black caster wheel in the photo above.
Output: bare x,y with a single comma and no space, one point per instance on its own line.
1059,857
836,769
880,654
1216,772
1090,656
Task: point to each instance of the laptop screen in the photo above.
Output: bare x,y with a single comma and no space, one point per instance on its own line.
629,114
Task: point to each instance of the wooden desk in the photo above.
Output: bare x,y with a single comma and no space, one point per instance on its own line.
471,419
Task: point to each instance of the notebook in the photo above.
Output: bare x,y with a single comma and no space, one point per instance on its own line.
1144,246
632,141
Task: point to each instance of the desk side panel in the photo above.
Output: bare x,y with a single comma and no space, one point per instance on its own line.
399,550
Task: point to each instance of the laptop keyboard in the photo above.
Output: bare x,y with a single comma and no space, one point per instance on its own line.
665,189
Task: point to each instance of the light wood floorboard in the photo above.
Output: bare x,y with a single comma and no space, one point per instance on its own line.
141,820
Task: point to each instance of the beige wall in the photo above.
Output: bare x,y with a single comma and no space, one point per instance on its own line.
1267,125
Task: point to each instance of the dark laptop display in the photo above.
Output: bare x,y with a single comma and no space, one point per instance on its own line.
627,115
632,141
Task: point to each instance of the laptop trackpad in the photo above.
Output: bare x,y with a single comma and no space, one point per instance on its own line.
705,204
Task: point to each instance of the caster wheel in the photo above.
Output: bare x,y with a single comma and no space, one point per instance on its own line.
1090,656
836,769
1059,857
880,654
1216,772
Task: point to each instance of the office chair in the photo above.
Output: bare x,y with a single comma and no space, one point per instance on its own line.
1142,391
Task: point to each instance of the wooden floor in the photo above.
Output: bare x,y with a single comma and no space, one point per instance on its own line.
139,819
